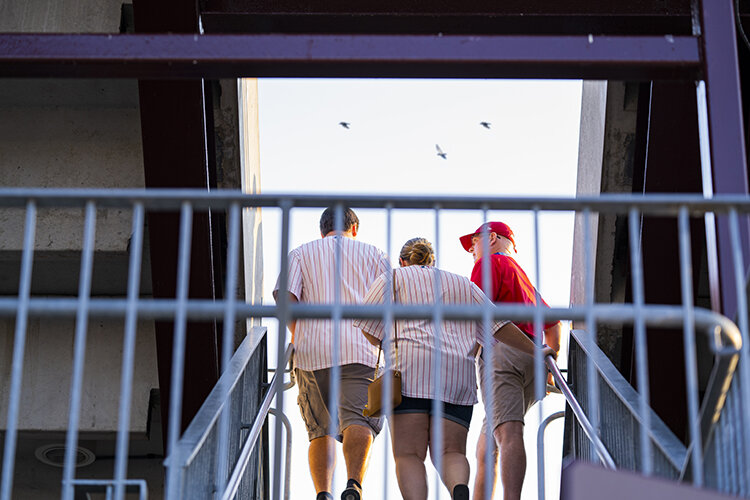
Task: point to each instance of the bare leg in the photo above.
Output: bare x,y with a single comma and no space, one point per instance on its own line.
509,436
409,435
322,458
455,465
357,442
485,473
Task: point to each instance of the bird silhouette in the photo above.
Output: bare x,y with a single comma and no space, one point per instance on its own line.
485,124
344,124
440,153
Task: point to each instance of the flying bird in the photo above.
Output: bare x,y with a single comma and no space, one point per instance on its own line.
344,124
440,153
485,124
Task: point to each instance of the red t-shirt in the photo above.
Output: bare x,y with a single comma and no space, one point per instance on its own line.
509,284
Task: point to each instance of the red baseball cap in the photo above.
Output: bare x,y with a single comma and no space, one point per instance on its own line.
500,228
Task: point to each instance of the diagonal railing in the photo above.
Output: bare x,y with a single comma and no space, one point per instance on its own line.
195,459
621,418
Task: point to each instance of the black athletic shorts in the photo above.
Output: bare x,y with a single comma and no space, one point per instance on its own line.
460,414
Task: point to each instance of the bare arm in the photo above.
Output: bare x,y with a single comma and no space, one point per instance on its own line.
511,335
552,336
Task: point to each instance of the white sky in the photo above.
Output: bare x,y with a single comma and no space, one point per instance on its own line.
530,150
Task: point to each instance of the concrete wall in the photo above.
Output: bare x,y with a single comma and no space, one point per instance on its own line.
605,165
251,218
48,368
69,134
62,16
588,183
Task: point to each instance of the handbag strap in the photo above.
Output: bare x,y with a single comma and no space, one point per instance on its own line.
395,323
395,332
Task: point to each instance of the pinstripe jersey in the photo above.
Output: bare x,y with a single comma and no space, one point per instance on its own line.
417,339
312,278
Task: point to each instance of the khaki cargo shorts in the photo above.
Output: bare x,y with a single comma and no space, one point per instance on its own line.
512,385
313,399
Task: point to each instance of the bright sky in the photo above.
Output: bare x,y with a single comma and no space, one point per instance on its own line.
530,149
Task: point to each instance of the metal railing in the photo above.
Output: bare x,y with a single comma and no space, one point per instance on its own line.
181,309
622,419
194,461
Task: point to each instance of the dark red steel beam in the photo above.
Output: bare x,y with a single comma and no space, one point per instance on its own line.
438,7
226,56
174,155
726,133
448,24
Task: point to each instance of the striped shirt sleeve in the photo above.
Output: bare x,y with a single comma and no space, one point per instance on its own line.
375,295
294,285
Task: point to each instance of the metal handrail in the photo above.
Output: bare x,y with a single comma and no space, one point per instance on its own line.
583,420
660,435
247,448
726,339
540,450
200,427
172,199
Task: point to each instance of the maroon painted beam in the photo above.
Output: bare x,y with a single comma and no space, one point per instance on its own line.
726,133
447,24
411,56
441,7
174,156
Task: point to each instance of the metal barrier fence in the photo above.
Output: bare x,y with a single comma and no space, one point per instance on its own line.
195,459
723,444
181,308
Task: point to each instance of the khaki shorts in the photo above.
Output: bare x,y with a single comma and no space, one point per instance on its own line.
314,397
512,385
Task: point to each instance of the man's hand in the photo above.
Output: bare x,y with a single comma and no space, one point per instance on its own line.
548,351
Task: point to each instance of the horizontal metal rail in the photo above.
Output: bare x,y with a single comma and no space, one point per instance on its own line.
170,56
108,485
580,415
726,337
172,200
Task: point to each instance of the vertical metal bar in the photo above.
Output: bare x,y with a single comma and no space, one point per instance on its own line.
128,351
390,327
178,348
712,252
283,311
641,354
488,353
742,317
335,381
691,363
591,339
79,354
540,451
436,429
539,370
288,451
19,346
230,301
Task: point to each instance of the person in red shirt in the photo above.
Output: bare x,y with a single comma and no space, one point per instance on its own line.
513,371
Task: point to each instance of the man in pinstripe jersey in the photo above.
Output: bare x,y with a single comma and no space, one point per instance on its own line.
313,279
